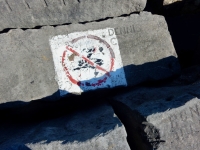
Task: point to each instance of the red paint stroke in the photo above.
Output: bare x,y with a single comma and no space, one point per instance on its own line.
99,82
76,39
99,39
89,61
111,52
100,68
66,70
112,63
95,49
73,51
96,38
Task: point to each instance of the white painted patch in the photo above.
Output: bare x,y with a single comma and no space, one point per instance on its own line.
87,61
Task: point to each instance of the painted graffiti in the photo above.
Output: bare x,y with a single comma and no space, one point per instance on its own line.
87,61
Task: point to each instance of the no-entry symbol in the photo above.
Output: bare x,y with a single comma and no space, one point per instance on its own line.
87,61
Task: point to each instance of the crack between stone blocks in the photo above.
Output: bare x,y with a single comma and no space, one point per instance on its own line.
140,133
6,30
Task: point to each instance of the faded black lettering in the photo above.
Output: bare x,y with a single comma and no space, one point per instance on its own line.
124,30
173,121
183,116
113,41
194,111
117,31
111,32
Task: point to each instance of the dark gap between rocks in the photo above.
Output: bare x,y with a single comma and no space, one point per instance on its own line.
49,108
183,20
53,106
37,111
141,135
6,30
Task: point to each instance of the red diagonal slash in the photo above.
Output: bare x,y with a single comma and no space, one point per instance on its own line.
89,61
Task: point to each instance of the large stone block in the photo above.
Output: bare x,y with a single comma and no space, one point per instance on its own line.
179,127
28,13
97,128
173,110
136,49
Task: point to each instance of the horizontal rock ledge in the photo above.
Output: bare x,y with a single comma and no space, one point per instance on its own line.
29,14
27,66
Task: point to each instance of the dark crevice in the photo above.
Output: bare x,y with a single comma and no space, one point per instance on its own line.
183,21
26,3
6,30
36,27
194,94
40,110
64,24
135,124
51,107
64,2
45,2
10,9
99,20
127,15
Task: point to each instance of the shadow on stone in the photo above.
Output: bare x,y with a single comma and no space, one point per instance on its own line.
17,114
185,33
183,20
173,8
133,123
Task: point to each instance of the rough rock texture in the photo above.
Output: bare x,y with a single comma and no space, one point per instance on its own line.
27,69
28,13
179,127
173,109
97,128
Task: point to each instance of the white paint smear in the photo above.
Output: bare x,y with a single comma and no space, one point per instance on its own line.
87,61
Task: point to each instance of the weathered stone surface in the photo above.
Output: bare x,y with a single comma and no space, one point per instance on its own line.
27,69
96,128
173,110
28,14
179,127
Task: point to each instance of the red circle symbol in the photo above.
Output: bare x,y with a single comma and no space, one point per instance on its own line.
98,67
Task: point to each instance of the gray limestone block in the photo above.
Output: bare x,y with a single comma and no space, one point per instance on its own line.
137,48
97,128
29,14
179,127
172,110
